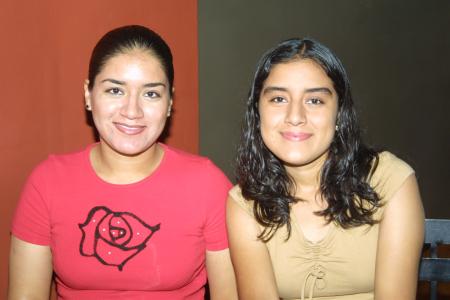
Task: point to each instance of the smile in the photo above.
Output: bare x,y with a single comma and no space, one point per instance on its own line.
296,136
129,129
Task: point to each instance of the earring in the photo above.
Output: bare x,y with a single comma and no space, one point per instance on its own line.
168,112
88,107
337,127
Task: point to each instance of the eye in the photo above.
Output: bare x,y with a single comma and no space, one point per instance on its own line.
314,101
278,100
114,91
152,94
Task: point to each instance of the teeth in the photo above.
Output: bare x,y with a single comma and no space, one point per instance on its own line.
129,126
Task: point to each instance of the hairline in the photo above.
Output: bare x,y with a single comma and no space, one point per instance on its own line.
128,49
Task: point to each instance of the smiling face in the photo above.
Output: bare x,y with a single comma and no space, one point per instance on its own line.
130,101
298,109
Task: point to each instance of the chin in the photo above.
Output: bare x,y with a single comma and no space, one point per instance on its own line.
299,160
130,153
296,162
131,150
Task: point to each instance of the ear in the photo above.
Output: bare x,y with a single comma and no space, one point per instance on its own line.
87,95
169,109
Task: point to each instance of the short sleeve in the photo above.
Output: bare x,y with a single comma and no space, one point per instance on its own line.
31,220
217,186
389,175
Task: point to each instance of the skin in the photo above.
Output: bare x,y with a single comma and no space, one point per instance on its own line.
298,111
30,271
130,102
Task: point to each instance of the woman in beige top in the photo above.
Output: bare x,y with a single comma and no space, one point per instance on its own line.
316,213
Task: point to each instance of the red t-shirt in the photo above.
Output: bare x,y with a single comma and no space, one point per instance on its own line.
145,240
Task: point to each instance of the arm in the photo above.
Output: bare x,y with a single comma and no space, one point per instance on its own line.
400,243
222,284
250,257
30,271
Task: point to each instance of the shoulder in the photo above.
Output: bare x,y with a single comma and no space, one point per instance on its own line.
389,175
193,168
179,154
176,157
236,195
56,165
389,163
189,162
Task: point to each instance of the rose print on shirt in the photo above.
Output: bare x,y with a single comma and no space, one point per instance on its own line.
114,237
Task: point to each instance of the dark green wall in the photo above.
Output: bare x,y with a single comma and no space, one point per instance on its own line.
397,54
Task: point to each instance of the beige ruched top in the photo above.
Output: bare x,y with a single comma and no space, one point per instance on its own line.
341,265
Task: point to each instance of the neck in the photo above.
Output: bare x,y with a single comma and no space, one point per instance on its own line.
307,177
117,168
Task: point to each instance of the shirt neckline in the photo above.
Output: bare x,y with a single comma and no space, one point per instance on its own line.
98,179
330,232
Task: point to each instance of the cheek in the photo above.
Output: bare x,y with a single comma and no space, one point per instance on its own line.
269,120
156,114
266,129
326,122
103,107
269,135
103,111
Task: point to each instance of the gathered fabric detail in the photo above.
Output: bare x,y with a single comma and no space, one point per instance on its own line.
316,275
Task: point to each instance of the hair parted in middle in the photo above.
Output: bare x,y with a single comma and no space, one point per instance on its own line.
262,177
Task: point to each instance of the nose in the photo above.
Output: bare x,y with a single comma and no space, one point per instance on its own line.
296,114
131,108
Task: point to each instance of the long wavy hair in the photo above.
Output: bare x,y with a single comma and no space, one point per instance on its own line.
262,177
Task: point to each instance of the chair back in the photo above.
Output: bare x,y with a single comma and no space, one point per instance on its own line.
435,269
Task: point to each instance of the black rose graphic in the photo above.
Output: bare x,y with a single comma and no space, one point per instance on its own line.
114,237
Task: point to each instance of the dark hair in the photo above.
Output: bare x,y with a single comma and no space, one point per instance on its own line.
125,39
343,182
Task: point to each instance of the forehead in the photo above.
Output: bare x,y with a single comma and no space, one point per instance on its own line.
133,63
298,72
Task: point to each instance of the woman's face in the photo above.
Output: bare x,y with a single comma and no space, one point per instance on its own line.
298,108
130,102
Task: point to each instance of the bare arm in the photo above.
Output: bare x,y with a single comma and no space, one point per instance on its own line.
399,244
250,257
221,280
30,271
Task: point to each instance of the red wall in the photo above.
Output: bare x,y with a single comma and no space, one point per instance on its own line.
44,53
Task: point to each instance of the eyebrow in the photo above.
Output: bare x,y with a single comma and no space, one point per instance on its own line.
115,81
319,90
310,90
274,89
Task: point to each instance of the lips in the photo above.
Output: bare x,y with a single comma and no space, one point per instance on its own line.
296,136
129,129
